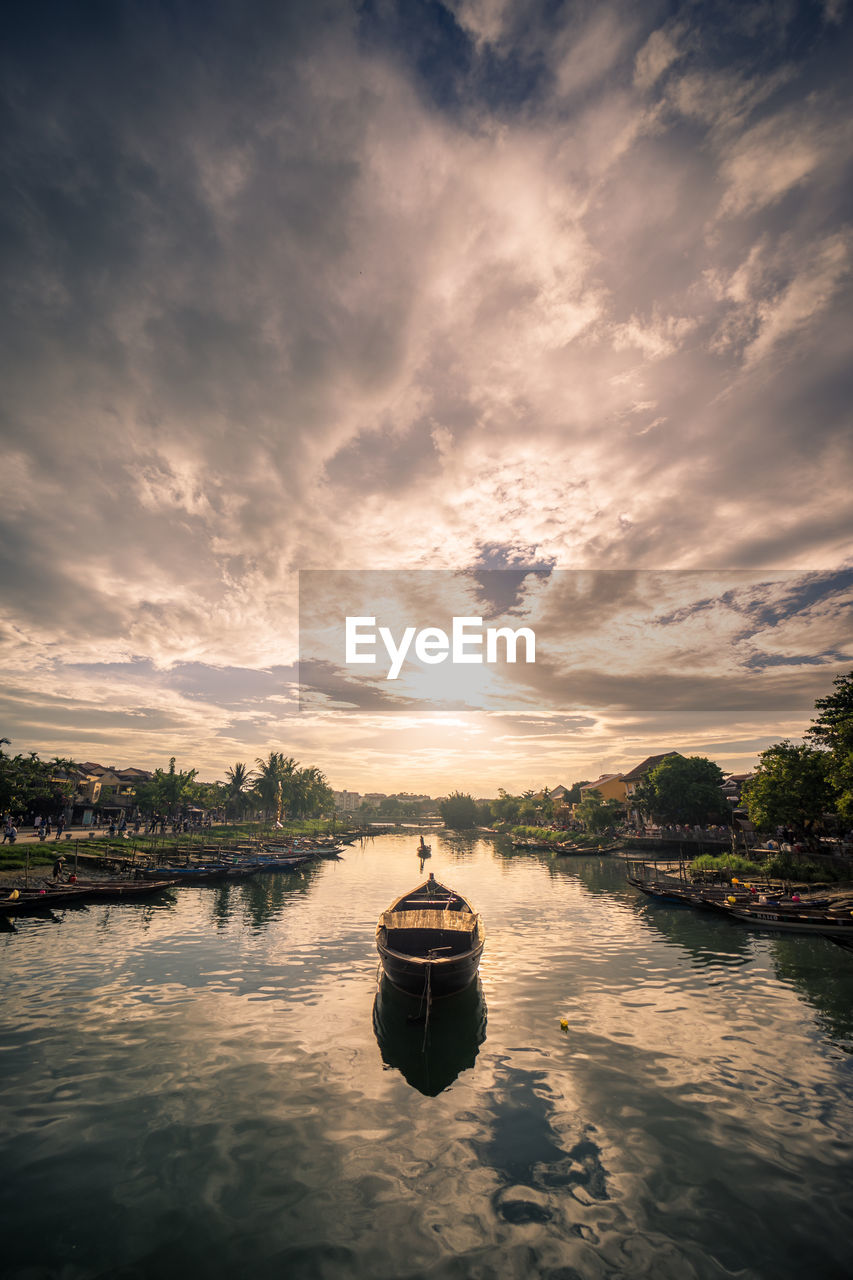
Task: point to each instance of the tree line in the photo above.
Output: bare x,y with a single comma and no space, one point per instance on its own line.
795,786
277,786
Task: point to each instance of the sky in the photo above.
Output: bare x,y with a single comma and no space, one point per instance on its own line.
477,286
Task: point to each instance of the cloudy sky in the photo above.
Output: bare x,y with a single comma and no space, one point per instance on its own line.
488,284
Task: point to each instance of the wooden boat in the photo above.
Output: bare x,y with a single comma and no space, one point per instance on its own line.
275,862
27,902
424,850
770,917
201,873
430,941
120,890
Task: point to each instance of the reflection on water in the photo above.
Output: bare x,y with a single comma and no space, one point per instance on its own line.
261,898
193,1086
801,962
429,1052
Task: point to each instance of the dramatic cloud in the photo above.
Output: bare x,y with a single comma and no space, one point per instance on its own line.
410,285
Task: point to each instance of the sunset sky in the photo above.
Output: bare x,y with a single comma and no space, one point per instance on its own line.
481,285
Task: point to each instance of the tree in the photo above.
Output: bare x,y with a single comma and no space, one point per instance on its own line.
598,814
273,782
459,811
643,798
683,789
31,785
208,796
506,807
832,729
573,795
239,778
167,791
309,793
790,787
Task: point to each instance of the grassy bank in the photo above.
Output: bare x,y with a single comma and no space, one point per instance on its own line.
782,867
546,836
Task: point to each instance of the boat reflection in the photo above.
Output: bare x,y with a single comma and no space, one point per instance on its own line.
429,1054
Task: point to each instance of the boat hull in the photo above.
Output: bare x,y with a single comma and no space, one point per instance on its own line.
793,923
418,976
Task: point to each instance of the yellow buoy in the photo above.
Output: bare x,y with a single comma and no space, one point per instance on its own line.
564,1024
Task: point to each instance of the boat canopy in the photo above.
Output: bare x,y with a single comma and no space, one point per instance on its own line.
457,921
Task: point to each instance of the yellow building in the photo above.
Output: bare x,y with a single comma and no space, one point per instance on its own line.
610,786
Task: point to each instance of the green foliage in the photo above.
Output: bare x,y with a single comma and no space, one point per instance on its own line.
683,789
573,795
239,779
506,807
725,862
543,834
598,815
168,791
832,729
286,790
791,787
28,784
459,811
785,867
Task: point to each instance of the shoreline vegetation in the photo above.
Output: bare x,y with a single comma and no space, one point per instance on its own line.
797,803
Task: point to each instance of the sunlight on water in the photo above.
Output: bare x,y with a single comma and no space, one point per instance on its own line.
214,1084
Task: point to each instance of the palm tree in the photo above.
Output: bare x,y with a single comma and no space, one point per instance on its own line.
239,778
274,780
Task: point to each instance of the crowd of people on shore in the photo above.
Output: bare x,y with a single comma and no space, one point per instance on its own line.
44,827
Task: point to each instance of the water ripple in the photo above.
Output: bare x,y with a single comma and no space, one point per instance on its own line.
198,1087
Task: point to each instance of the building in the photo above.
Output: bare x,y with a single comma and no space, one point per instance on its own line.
733,787
112,790
635,776
610,786
346,801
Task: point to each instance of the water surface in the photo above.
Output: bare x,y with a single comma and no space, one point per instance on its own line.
208,1084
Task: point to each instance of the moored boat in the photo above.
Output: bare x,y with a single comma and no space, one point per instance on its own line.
196,873
792,921
120,890
430,941
25,902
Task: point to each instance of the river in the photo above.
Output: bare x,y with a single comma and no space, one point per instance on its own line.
208,1085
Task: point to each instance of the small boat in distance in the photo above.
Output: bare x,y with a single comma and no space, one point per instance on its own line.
424,850
430,941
